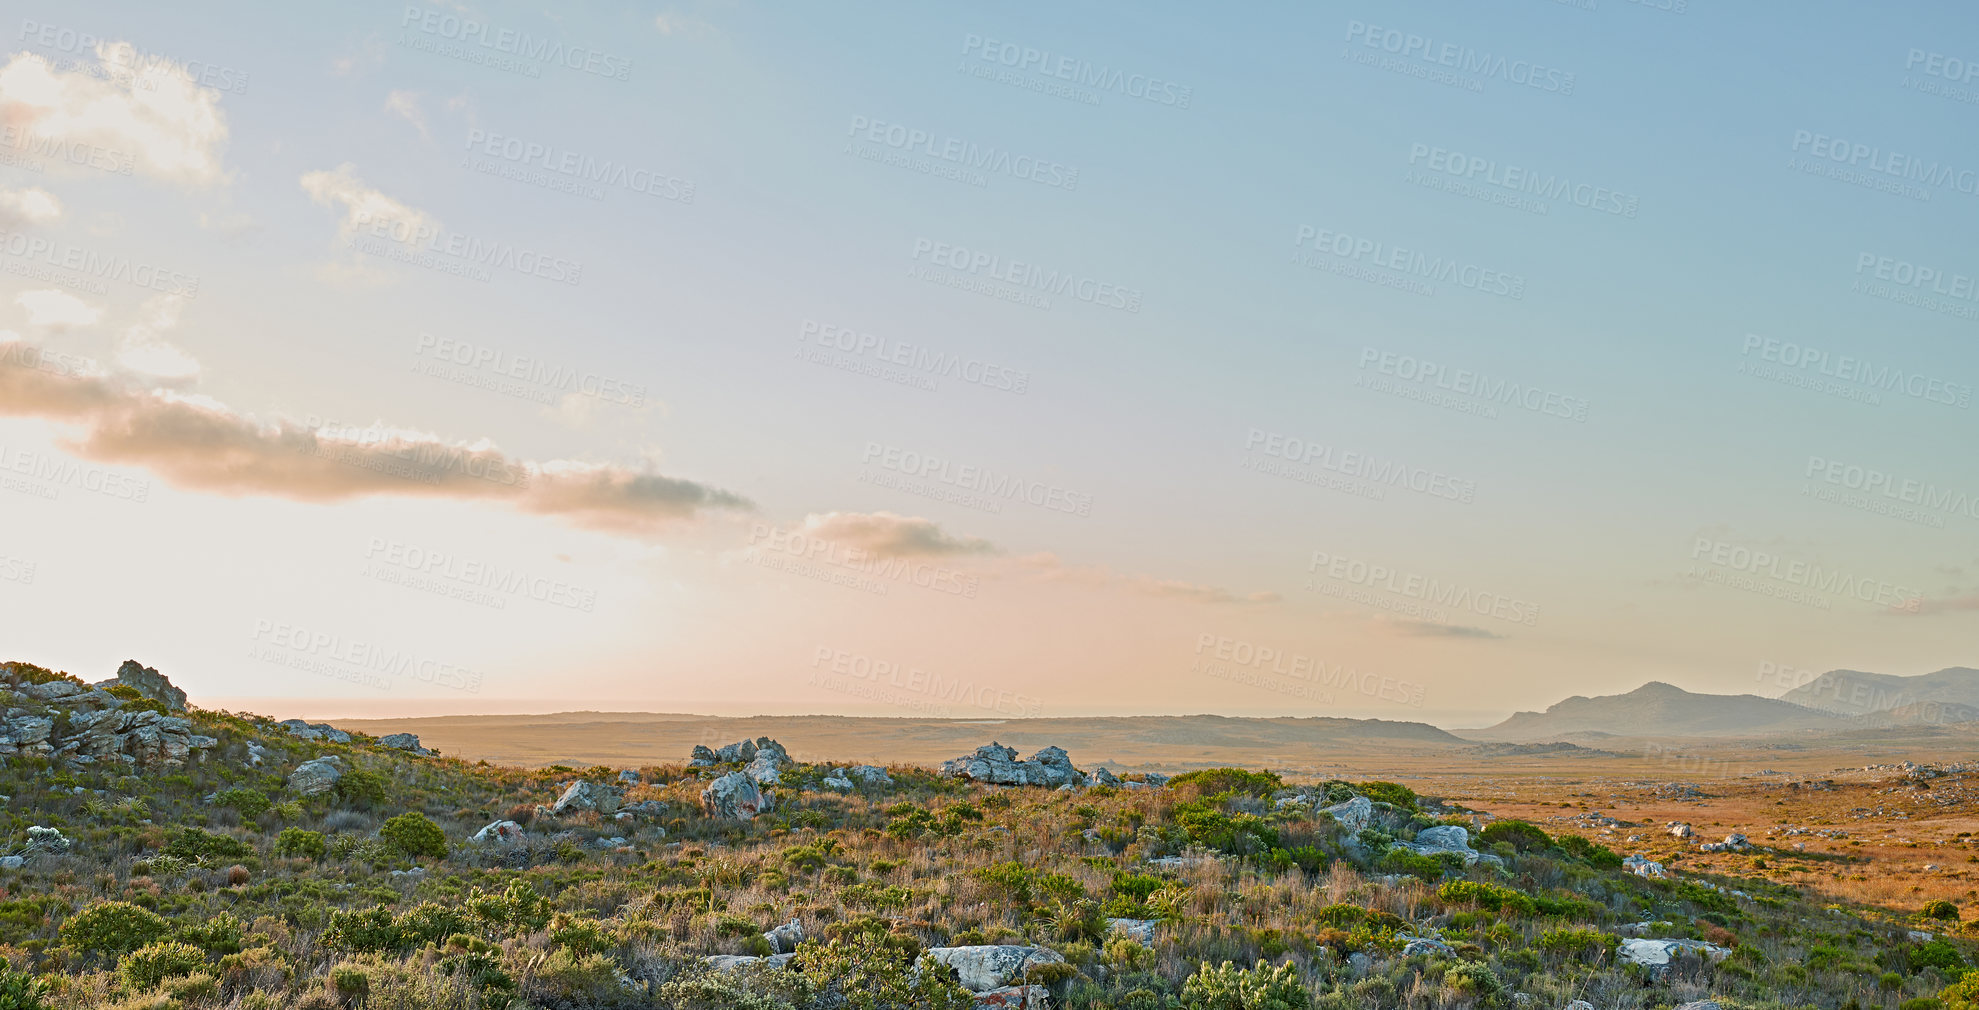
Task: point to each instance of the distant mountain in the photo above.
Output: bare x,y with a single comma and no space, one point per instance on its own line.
1949,695
1660,710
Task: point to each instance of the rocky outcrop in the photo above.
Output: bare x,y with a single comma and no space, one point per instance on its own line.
982,969
1354,814
67,721
1451,838
837,780
149,683
1680,829
1015,997
313,778
408,742
585,795
1643,866
1733,842
1412,945
499,832
996,764
731,962
314,731
628,777
735,797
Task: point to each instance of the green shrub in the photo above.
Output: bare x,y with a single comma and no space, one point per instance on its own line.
1495,897
198,845
21,991
112,927
1229,987
361,789
360,930
251,803
1922,1003
144,969
1943,910
220,934
1474,981
1523,836
428,922
298,842
1393,793
1937,954
1962,994
414,834
1598,856
1216,781
862,971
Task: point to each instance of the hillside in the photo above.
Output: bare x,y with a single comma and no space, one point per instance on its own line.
1659,710
1949,695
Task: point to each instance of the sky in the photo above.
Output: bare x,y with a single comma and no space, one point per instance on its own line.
1423,361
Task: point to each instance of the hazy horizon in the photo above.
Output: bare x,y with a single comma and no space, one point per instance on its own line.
1421,364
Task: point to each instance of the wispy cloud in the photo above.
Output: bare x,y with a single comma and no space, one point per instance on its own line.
161,124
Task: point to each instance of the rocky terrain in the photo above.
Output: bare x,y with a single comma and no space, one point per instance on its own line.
163,856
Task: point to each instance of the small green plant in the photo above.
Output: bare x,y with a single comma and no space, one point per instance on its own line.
298,842
146,968
1942,910
1262,987
251,803
112,927
21,991
361,789
414,834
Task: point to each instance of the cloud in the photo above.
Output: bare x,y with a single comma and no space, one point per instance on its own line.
405,105
143,349
56,309
1410,628
158,123
22,207
363,205
887,535
1048,567
198,443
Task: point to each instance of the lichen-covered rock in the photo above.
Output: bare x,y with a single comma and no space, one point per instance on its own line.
313,778
1353,814
149,683
987,967
1452,838
1643,866
998,765
871,775
499,832
314,731
785,938
1138,930
1656,955
731,962
587,795
735,797
408,742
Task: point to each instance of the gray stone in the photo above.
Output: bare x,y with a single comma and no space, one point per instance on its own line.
12,862
587,795
1656,955
1643,866
871,775
1580,1004
732,962
988,967
1014,997
500,833
1140,930
1450,838
628,777
313,778
837,781
149,683
1353,814
735,797
1425,945
403,741
996,764
785,938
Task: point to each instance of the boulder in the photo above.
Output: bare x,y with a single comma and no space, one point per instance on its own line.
1702,1004
837,780
627,776
408,742
499,832
996,764
1453,838
149,683
1733,842
1139,930
871,775
12,862
764,768
1101,777
1656,955
988,967
1354,814
1580,1004
643,808
702,757
735,797
314,731
1681,829
54,692
312,778
1425,945
785,938
1643,866
731,962
587,795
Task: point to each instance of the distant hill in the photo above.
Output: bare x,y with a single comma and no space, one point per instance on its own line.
1949,695
1122,742
1660,710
